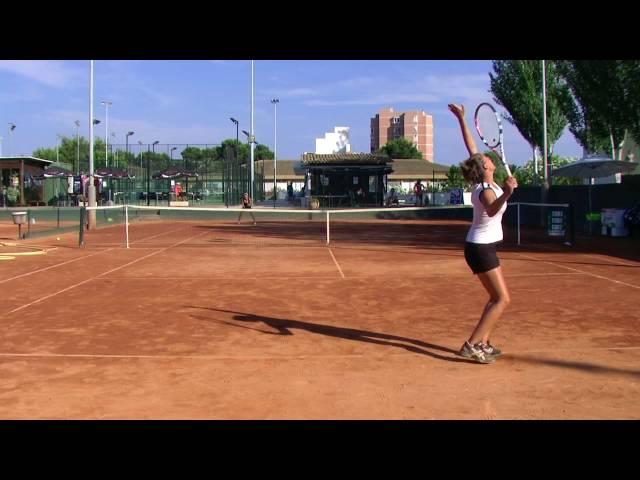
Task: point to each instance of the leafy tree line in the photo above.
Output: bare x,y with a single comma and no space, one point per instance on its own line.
598,100
71,150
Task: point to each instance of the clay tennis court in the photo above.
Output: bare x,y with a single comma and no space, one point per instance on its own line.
215,320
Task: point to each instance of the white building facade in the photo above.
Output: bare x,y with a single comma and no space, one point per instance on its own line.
337,141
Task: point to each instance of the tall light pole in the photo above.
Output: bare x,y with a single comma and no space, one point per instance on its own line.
77,122
92,188
114,156
544,124
96,122
237,123
126,147
229,168
171,154
153,148
11,128
275,102
252,139
57,148
140,143
106,132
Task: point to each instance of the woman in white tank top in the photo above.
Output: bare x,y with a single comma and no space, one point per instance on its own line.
489,204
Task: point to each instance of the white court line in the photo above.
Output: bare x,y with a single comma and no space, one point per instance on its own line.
282,357
332,277
74,260
599,257
257,279
158,235
192,357
580,271
336,262
54,266
507,275
606,259
103,274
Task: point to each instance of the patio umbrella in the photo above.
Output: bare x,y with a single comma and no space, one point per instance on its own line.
103,172
176,172
593,166
120,173
54,172
111,172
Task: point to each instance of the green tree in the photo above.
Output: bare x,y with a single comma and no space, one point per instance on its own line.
455,179
199,159
598,110
262,152
629,75
67,152
517,86
242,148
527,177
400,148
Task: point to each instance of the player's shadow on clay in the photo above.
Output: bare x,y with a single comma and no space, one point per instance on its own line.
282,326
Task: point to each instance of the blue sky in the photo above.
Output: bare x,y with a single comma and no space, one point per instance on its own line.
180,101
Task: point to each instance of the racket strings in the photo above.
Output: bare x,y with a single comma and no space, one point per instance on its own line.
488,126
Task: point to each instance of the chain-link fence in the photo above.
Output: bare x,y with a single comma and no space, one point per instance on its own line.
223,175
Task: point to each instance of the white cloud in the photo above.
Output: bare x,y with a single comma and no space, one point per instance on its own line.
357,82
324,90
123,81
25,95
144,130
379,90
448,88
51,73
292,92
384,99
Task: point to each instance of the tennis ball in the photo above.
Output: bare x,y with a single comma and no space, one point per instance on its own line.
57,238
109,219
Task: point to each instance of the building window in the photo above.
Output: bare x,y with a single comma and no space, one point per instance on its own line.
395,120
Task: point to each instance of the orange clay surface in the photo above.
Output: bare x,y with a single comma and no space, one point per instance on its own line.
227,321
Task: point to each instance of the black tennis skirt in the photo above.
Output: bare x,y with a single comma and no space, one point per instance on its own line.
481,257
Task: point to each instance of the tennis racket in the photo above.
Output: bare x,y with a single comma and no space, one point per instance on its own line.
489,127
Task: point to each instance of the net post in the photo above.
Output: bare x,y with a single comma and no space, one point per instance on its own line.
83,220
571,225
126,223
328,234
518,223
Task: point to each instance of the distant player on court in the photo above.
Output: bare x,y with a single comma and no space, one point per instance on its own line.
246,203
418,190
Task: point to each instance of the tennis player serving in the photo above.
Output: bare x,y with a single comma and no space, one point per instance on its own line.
489,204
